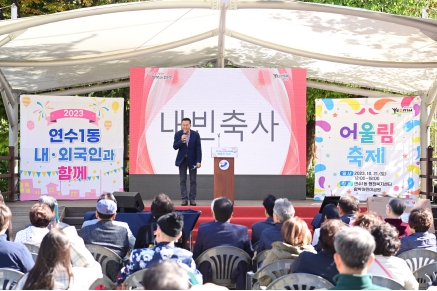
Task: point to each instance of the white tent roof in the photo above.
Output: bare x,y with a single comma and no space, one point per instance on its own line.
100,44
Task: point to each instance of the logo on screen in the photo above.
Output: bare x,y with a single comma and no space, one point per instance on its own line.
224,165
281,76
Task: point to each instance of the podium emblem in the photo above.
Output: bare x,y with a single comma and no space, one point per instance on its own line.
224,165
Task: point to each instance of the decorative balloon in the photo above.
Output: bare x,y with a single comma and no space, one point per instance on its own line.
30,125
108,124
115,106
26,101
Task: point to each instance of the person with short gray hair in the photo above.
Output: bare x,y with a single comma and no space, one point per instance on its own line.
394,209
282,211
354,248
51,201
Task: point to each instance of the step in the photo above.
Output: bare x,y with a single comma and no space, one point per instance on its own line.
78,211
77,221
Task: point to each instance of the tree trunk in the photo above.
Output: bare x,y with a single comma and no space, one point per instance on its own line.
311,131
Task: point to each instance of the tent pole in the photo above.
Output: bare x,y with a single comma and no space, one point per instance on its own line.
7,88
350,90
424,113
221,37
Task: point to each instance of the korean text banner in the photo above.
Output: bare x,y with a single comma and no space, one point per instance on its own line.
367,146
71,147
262,112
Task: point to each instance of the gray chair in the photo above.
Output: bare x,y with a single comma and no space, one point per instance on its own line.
104,281
387,283
300,282
223,260
9,278
426,275
418,258
111,263
274,270
135,280
32,248
34,256
258,259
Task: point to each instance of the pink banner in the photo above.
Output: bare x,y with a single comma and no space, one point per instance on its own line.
72,113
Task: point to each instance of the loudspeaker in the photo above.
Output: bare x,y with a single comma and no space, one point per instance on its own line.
129,202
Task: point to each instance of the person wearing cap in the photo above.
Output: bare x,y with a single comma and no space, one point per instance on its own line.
106,233
169,230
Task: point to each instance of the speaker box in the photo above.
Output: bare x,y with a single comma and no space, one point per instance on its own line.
129,202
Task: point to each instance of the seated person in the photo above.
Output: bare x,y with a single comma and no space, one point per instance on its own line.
13,255
106,233
167,275
325,266
9,230
51,201
161,205
348,207
354,248
420,221
221,232
169,230
53,269
367,220
386,264
40,216
330,211
110,196
282,211
258,227
296,239
395,208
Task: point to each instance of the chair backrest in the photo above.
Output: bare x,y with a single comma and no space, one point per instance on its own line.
299,282
104,281
418,258
224,260
259,258
426,275
9,278
32,248
111,263
274,270
387,283
135,280
34,256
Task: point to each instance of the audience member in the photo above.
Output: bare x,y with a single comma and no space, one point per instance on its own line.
394,209
325,266
51,201
53,269
296,239
354,248
258,227
9,230
330,211
367,220
169,229
13,255
348,207
282,211
386,264
420,221
221,232
167,275
40,216
161,205
110,196
105,232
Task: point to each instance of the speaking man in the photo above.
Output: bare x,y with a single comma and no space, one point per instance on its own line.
189,156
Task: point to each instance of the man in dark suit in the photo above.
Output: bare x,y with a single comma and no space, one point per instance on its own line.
189,156
220,232
258,227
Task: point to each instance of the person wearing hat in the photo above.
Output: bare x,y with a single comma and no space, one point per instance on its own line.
168,231
106,233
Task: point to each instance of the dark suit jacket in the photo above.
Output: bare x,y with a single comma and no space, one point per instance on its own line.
269,236
193,151
258,227
213,234
321,264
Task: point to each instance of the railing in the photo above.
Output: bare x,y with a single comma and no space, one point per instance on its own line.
12,193
429,176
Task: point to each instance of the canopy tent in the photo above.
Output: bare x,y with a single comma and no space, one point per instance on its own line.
336,44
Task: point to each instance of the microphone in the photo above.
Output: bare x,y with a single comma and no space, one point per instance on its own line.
184,141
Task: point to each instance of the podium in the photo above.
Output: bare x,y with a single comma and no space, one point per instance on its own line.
224,179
